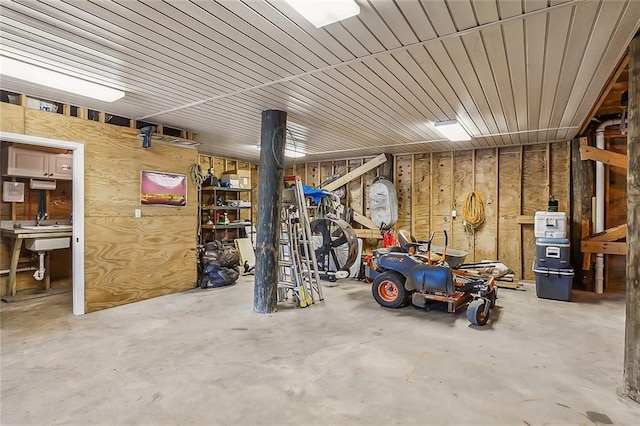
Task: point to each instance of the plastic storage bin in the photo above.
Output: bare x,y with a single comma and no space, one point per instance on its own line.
550,225
552,253
553,283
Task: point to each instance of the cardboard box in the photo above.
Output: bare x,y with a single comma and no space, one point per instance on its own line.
231,180
243,176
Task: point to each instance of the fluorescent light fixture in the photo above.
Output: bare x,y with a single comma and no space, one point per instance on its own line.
452,130
45,77
325,12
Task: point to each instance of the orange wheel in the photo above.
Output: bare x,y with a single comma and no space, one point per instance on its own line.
388,290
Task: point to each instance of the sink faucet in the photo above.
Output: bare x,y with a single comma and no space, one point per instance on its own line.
40,218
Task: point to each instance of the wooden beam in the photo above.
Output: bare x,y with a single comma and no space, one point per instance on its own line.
525,220
368,233
430,192
547,171
496,198
608,157
521,185
603,247
363,220
332,186
586,257
611,234
603,95
413,194
631,386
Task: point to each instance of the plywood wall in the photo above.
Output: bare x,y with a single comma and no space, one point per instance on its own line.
126,259
513,182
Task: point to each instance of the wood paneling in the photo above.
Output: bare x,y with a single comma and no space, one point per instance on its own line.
511,180
11,118
509,248
403,183
462,185
486,185
421,195
126,259
130,260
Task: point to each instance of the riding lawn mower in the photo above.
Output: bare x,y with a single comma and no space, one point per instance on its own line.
410,274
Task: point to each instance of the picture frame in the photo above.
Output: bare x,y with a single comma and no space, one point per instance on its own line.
163,189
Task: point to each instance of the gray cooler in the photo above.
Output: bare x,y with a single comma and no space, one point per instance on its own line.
553,283
552,253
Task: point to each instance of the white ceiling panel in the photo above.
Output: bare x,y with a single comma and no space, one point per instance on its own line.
512,72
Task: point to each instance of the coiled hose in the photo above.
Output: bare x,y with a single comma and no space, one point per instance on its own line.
196,175
473,211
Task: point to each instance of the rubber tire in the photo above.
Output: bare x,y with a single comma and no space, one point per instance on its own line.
407,298
475,312
398,280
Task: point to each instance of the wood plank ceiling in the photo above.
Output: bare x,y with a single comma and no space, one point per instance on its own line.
511,71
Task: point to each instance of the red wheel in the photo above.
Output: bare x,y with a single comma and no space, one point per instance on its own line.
388,290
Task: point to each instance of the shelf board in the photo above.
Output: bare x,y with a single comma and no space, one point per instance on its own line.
212,207
224,189
230,226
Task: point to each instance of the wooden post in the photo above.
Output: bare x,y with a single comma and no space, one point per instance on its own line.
582,191
631,388
270,182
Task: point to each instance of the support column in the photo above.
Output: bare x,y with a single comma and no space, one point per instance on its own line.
270,183
631,388
582,191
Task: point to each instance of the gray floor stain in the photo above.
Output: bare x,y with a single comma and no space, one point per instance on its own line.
599,418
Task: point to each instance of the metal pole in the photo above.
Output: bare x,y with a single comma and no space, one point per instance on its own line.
270,184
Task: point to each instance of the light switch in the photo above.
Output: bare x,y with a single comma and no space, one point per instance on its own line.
137,213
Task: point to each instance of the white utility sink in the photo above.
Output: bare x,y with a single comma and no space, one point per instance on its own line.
48,227
44,244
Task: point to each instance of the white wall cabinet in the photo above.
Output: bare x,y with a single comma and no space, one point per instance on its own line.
36,164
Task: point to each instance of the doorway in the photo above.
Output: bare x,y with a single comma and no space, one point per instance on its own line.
77,239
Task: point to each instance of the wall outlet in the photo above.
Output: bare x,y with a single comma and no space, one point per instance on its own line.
137,213
453,214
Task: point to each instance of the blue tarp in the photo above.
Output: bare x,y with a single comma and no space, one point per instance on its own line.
316,193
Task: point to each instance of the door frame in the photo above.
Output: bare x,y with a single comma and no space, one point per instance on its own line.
77,238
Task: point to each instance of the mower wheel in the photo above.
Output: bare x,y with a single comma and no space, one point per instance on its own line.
388,290
475,312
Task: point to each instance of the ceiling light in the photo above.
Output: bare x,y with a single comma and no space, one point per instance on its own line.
452,130
45,77
325,12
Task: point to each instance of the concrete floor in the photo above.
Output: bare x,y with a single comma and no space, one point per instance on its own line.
203,357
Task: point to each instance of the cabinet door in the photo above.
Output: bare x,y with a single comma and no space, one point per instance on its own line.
60,166
24,162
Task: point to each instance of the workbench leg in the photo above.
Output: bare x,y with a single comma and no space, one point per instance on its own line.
15,257
47,271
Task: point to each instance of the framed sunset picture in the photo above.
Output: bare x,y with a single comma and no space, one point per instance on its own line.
163,189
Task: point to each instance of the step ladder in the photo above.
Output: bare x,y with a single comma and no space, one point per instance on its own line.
297,264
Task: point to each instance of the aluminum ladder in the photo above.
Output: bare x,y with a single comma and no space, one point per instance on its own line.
298,267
